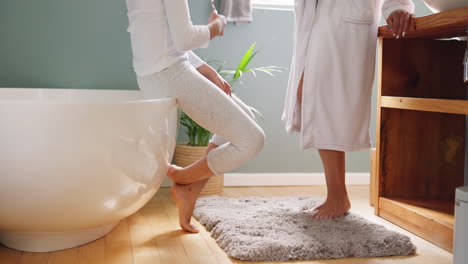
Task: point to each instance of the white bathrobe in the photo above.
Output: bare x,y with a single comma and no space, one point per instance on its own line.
335,46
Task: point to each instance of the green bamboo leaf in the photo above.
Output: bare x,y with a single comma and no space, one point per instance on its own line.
251,57
245,60
239,74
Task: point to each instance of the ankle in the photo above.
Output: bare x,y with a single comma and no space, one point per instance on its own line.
337,196
337,191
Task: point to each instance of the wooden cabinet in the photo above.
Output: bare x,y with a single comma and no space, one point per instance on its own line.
421,121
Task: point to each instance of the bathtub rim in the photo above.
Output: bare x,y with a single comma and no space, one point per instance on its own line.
37,101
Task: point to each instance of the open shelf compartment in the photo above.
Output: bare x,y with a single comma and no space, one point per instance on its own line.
423,68
421,164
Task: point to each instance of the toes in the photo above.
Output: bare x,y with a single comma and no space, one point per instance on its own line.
322,215
318,215
314,214
189,228
194,228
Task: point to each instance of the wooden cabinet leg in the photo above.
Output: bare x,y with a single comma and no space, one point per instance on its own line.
373,174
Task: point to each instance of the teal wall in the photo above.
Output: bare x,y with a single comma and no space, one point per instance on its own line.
84,44
65,44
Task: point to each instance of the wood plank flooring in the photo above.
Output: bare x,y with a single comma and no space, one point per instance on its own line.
152,236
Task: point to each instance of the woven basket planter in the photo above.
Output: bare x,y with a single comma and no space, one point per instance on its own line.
185,155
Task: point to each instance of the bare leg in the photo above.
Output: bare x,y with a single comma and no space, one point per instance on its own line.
337,202
185,197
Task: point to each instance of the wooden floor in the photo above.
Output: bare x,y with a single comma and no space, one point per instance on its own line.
152,236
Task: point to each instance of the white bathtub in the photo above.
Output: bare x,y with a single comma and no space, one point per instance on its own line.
73,163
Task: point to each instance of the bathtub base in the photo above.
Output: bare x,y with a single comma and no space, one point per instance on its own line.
52,241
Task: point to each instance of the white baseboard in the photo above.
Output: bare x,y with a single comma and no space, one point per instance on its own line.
285,179
289,179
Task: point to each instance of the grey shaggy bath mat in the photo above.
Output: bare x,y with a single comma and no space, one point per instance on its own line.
280,229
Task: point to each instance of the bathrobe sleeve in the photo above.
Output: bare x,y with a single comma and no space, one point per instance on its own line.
390,6
195,60
185,35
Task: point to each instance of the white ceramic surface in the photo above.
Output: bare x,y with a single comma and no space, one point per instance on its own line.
437,6
460,254
73,163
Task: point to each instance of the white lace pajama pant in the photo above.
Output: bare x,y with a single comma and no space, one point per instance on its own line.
235,131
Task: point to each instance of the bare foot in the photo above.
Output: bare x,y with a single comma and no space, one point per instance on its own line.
332,208
318,207
185,200
197,171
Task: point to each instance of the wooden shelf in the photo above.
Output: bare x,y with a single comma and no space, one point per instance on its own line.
429,219
424,104
448,24
421,126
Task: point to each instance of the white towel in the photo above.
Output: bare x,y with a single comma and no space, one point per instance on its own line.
238,11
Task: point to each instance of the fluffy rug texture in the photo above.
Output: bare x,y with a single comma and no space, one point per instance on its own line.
280,229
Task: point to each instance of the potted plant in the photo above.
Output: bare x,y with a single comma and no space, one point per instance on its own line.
198,138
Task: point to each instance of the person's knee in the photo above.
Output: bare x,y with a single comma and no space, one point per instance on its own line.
261,140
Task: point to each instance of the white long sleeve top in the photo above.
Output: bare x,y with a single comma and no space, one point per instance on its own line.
162,34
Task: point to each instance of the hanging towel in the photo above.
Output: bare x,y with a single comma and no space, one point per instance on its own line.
237,11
